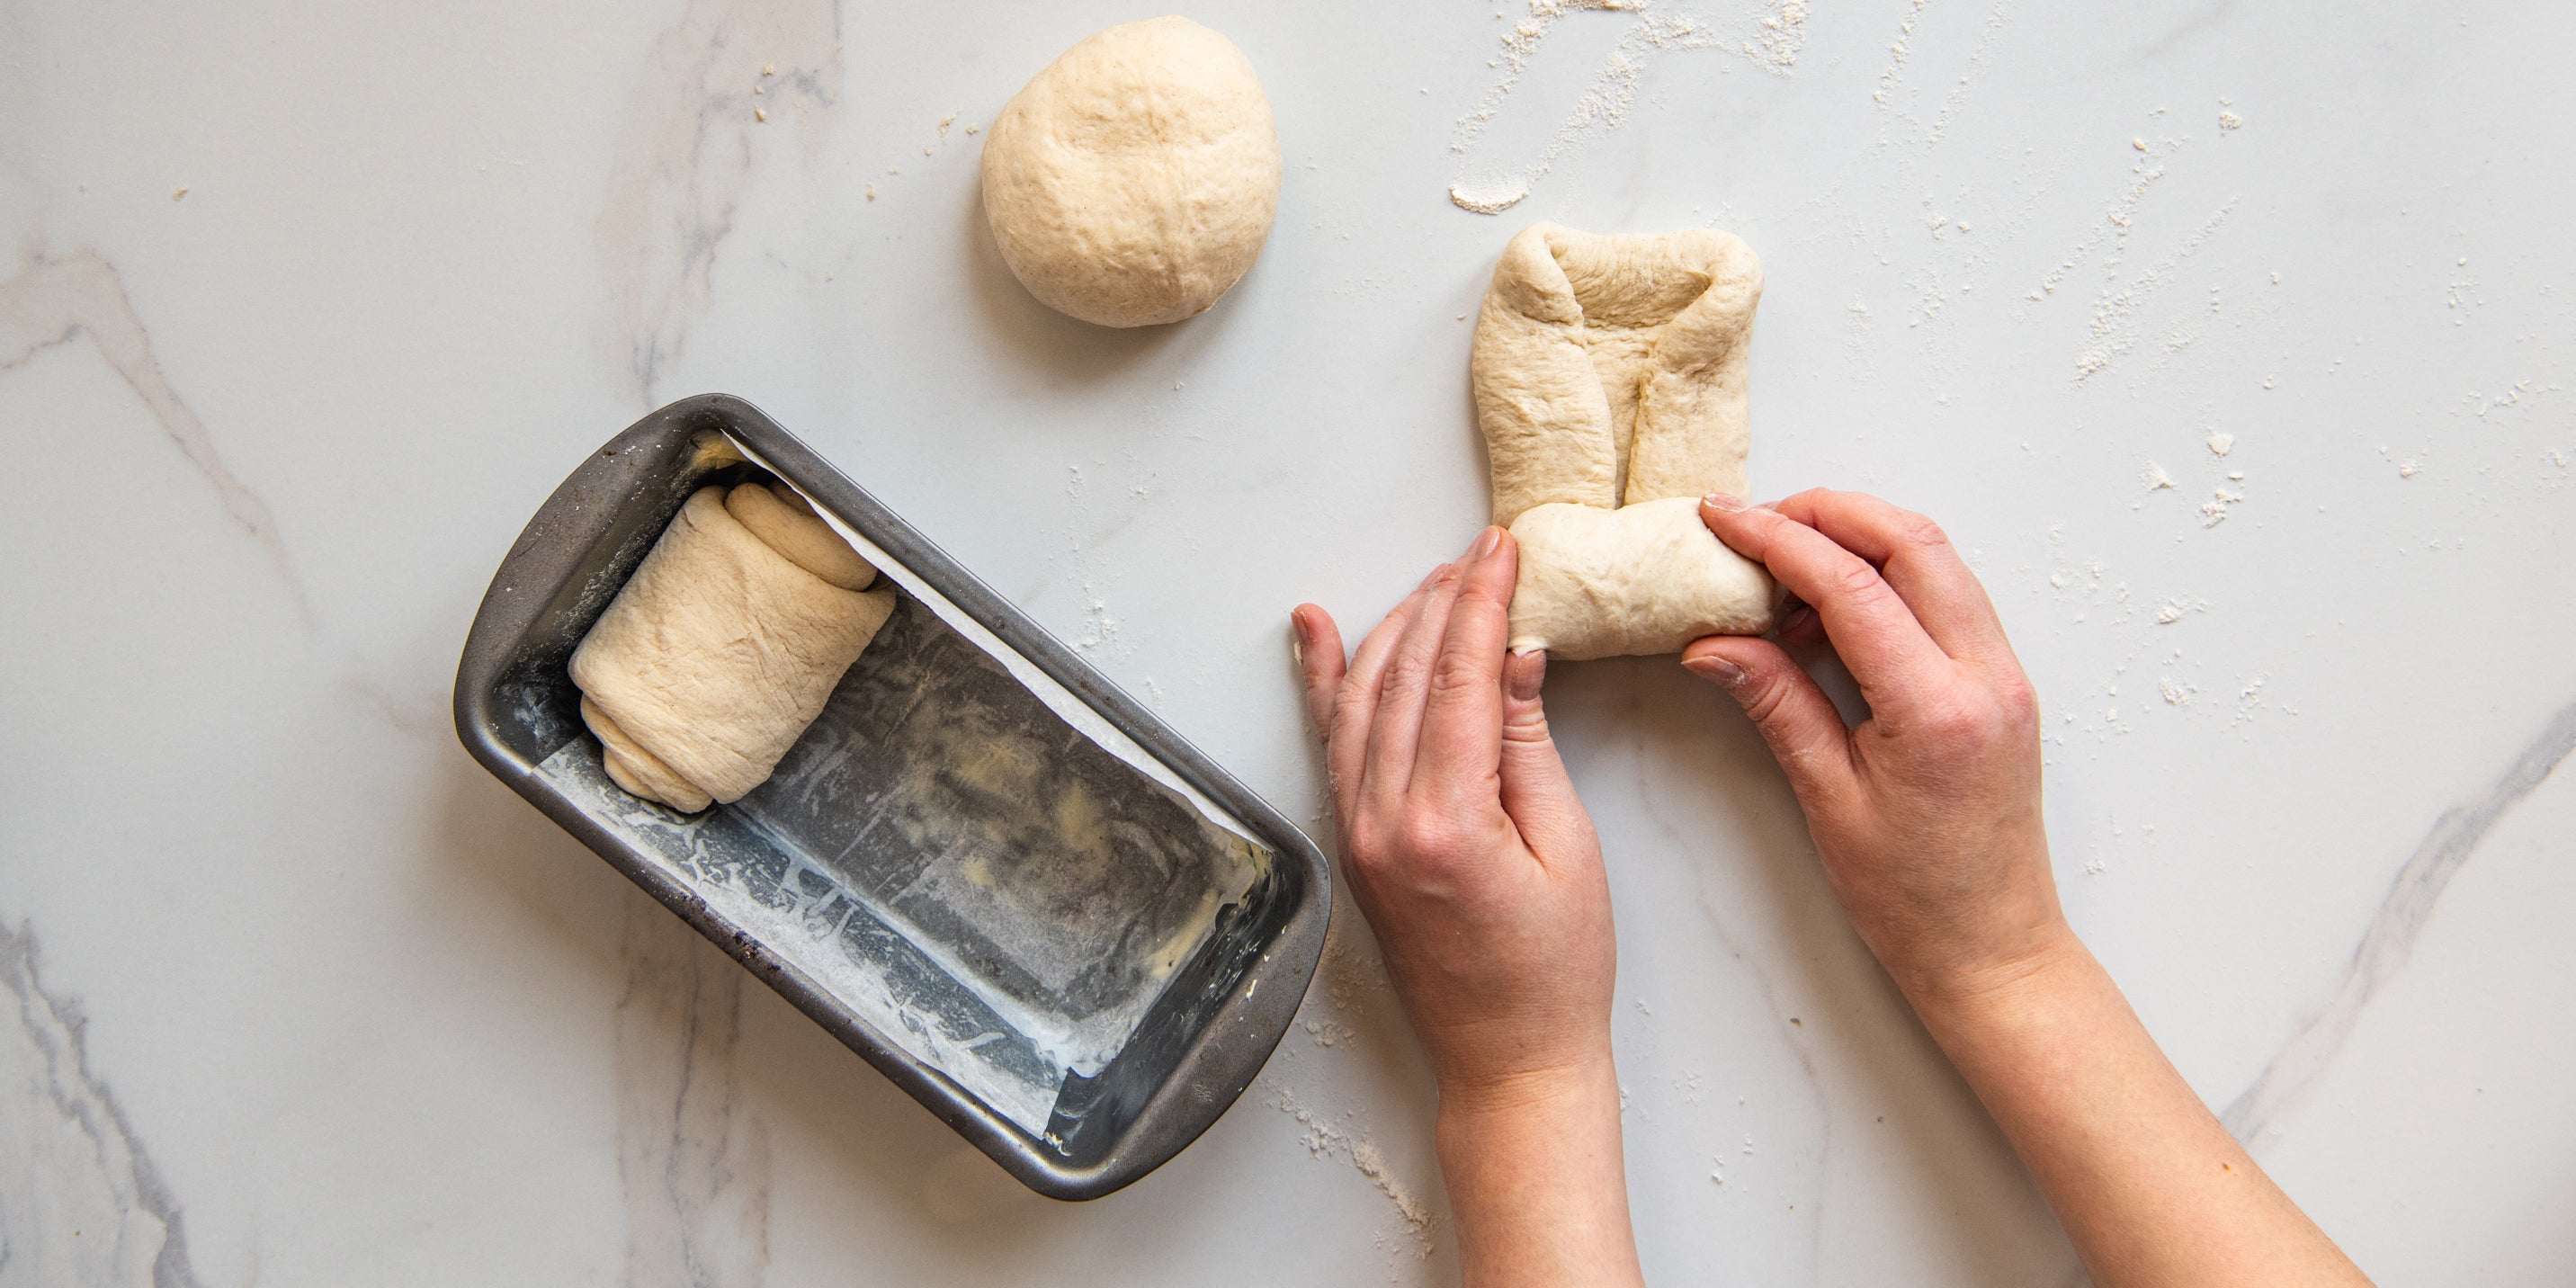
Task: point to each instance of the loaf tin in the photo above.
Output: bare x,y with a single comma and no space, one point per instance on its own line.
988,871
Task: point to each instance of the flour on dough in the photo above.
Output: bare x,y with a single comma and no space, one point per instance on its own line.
1610,371
1131,182
724,645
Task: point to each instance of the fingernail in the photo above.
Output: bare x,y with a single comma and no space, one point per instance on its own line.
1427,582
1722,502
1485,542
1716,670
1304,634
1524,673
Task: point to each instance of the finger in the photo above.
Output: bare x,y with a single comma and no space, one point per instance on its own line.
1355,702
1318,644
1917,559
1395,728
1800,626
1795,717
1462,714
1536,792
1868,622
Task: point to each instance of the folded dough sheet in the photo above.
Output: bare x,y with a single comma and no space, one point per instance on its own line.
963,852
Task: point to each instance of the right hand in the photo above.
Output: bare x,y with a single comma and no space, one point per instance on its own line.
1927,819
1927,816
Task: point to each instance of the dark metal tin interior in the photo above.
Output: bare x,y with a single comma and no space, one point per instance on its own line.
1209,1030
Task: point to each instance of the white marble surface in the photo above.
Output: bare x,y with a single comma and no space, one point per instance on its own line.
299,995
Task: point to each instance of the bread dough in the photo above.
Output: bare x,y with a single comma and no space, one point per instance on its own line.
787,524
1609,372
637,770
724,645
1132,181
1647,578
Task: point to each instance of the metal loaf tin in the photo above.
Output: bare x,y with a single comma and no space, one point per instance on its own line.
1212,1021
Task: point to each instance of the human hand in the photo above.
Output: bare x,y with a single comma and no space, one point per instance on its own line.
1927,820
1927,816
1469,854
1462,837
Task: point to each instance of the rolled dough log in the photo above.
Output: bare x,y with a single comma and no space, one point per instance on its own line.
724,645
785,523
1643,579
1609,372
637,770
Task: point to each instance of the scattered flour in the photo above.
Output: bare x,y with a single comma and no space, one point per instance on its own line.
1328,1033
2114,329
2173,609
1771,42
2249,697
1324,1140
2220,444
1783,33
2115,221
1491,197
2510,398
2214,510
1898,50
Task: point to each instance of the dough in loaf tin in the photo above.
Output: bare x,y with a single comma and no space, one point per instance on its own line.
1610,376
724,645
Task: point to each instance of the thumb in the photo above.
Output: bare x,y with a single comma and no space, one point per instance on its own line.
1806,734
1537,794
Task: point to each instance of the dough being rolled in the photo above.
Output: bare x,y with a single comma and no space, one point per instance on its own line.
724,645
1644,579
1610,372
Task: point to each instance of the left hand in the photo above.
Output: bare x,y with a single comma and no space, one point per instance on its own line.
1462,837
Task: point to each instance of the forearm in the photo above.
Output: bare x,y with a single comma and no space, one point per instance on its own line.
2149,1186
1537,1185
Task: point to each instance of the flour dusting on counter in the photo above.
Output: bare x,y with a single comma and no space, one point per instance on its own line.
1488,198
1770,39
1324,1140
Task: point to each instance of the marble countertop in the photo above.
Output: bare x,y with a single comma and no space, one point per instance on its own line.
2231,339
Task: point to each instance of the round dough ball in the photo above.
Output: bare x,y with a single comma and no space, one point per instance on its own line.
1132,181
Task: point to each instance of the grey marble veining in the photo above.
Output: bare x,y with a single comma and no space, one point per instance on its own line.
80,1201
310,308
2390,938
693,1157
76,295
684,155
